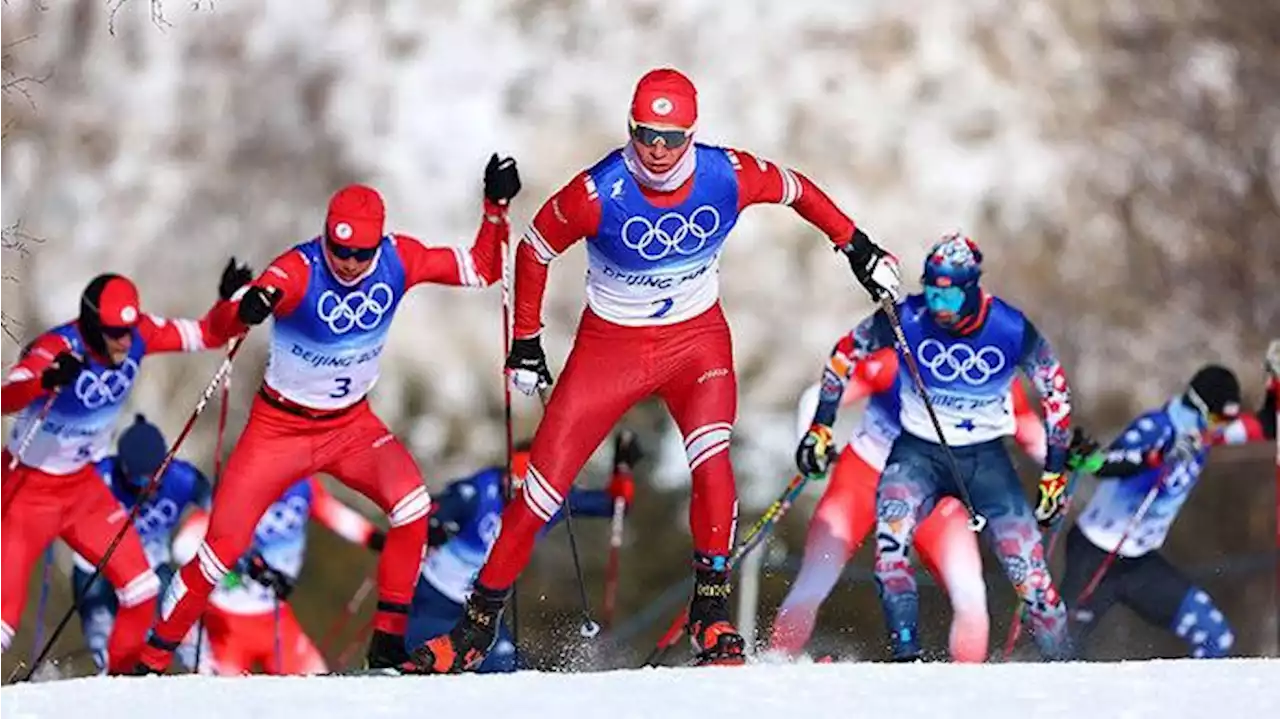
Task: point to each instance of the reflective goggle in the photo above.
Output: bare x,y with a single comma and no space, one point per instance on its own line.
117,333
944,299
649,136
350,253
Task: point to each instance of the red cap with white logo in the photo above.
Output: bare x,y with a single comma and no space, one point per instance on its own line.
355,218
665,98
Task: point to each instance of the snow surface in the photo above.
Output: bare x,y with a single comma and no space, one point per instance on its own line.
1129,690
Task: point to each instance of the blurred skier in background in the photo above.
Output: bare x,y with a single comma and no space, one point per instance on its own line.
464,524
1160,456
846,513
140,451
249,622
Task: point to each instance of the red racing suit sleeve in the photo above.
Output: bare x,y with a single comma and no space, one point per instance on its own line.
161,334
22,384
763,182
1028,429
479,266
571,214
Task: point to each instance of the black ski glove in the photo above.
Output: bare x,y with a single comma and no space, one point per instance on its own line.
270,577
527,366
626,450
65,369
874,268
439,532
501,179
257,304
377,540
234,277
813,455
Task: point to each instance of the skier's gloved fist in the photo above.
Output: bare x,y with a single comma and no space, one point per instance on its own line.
1083,454
377,540
234,276
257,304
268,576
813,456
501,179
1186,448
626,450
1053,497
527,366
65,369
875,269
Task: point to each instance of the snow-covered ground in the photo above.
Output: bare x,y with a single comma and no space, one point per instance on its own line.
1130,690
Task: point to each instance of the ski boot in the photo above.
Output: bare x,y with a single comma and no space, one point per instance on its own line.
714,637
386,651
466,645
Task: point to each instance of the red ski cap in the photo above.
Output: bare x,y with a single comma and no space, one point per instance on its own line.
118,305
355,218
665,98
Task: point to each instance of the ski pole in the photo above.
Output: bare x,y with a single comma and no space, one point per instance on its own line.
1092,586
339,624
755,535
217,479
976,521
278,652
146,492
615,550
508,488
590,628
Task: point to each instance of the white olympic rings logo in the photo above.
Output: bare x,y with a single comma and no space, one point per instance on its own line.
158,516
670,232
357,309
98,390
960,361
283,519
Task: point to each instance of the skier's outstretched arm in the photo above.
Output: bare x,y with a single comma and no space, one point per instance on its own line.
1141,446
343,520
479,266
276,292
763,182
211,331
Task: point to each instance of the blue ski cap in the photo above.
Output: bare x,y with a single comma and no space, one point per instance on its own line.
951,273
140,451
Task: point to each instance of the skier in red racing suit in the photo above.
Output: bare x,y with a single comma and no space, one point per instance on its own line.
655,214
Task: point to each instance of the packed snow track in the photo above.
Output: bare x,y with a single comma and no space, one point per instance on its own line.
1129,690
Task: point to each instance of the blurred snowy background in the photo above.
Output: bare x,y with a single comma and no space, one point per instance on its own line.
1119,161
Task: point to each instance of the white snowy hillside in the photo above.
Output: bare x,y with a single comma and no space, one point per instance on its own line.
1135,690
1117,160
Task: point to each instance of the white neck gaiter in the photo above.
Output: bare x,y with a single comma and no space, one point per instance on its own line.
665,181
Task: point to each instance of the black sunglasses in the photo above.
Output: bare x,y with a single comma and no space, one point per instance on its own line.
649,136
117,333
349,253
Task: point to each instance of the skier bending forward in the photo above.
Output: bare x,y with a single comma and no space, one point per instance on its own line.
970,346
655,215
333,299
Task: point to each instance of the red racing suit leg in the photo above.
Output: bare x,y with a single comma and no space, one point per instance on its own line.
605,374
80,509
841,522
696,379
